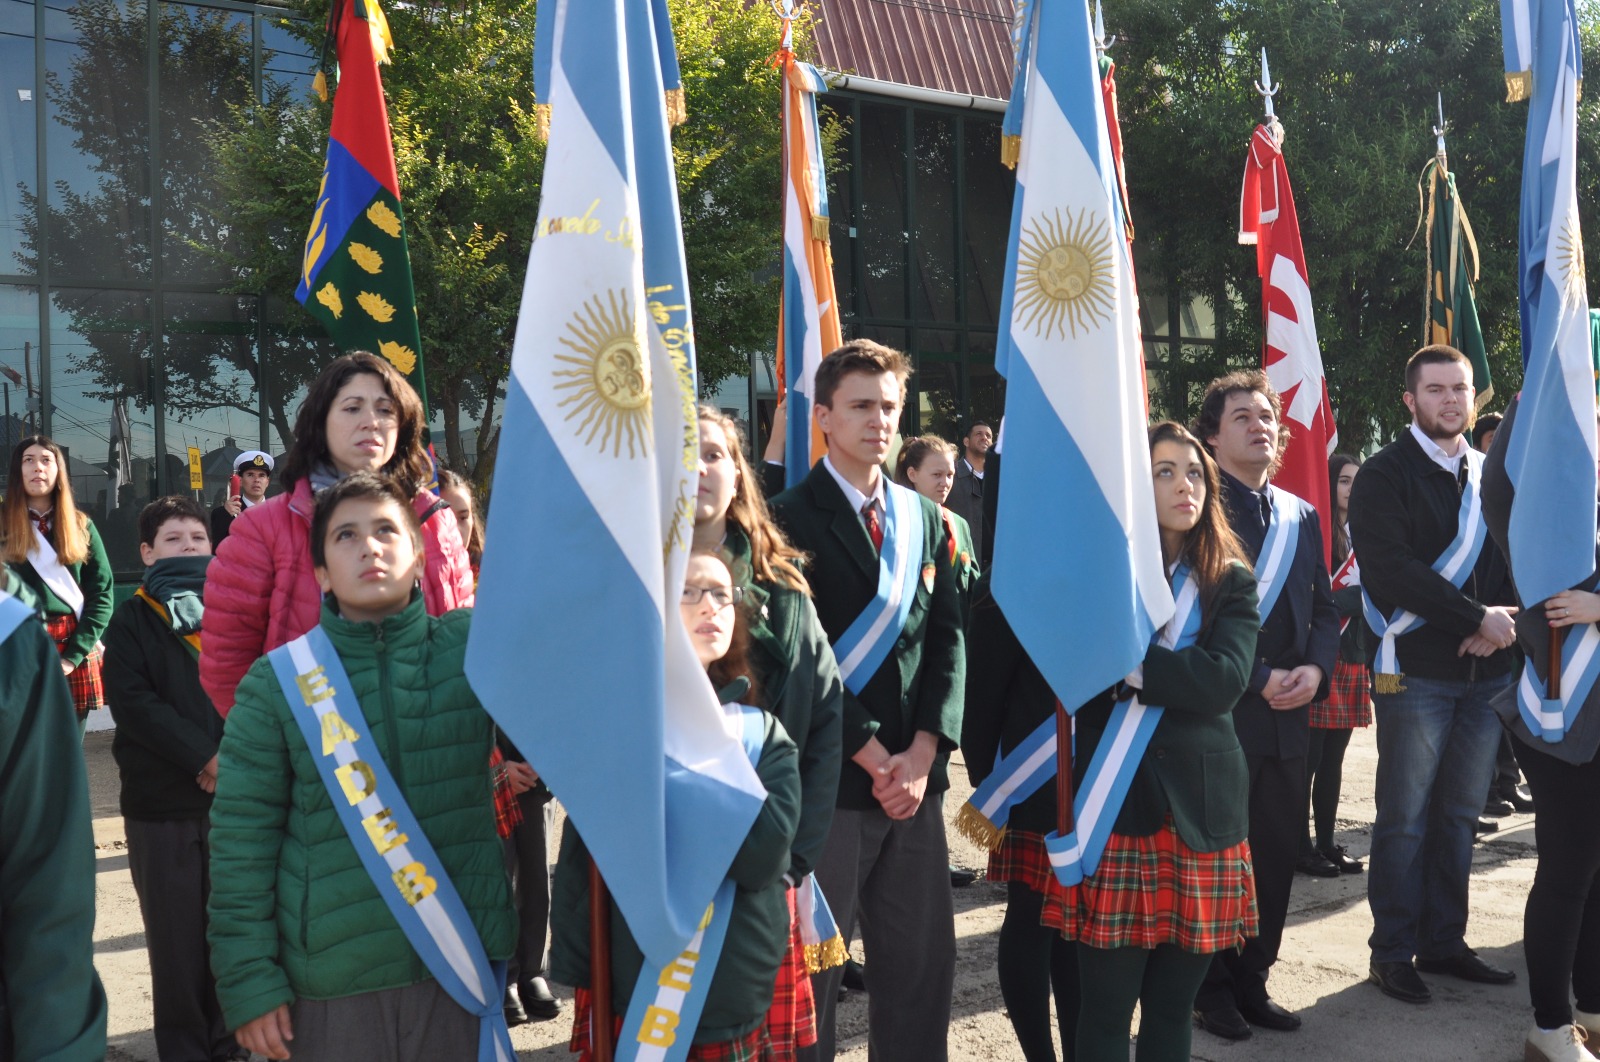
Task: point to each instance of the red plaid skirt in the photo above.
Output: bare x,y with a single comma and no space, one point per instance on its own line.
1157,890
88,691
792,1018
1022,858
753,1046
507,810
1349,702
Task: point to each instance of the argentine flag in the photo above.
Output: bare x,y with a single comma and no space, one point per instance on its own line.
577,648
1077,558
1550,456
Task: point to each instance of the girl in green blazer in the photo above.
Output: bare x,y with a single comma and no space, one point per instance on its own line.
1174,885
927,464
56,551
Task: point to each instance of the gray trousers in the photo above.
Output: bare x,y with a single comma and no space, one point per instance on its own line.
528,866
895,878
169,864
418,1023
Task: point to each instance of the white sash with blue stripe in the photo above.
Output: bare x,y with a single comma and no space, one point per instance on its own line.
1277,550
395,852
863,648
664,1010
12,614
819,933
1550,718
1455,564
1116,760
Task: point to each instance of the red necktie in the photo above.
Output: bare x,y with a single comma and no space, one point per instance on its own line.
42,521
869,513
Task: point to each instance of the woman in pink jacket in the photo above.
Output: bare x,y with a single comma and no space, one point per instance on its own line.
360,415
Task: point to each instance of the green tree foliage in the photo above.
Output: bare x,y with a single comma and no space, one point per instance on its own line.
1358,105
460,98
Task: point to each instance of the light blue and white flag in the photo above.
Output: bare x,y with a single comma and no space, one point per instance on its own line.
1077,558
1550,456
577,649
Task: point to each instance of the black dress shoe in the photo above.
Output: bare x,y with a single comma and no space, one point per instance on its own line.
1496,808
1469,966
855,976
1268,1015
1521,798
1225,1022
1483,826
960,877
1315,864
1341,858
515,1015
537,999
1399,980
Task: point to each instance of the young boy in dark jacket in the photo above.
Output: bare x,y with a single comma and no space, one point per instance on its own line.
166,751
358,897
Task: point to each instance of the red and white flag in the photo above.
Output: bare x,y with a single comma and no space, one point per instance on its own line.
1290,355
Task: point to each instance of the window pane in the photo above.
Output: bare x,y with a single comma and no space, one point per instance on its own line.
985,388
1154,318
98,141
934,218
881,224
20,371
205,68
296,351
99,374
19,156
988,188
288,63
209,399
938,397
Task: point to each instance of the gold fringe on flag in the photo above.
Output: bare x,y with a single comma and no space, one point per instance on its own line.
1011,151
827,955
1382,683
1519,86
976,827
819,229
677,111
541,120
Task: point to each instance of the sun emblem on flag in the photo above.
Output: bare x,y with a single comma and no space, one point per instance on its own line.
1064,273
1569,255
606,378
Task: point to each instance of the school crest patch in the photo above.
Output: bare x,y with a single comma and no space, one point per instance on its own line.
928,571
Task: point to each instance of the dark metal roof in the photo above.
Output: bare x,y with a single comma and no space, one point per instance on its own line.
961,46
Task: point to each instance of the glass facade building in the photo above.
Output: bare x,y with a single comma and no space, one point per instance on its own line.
116,336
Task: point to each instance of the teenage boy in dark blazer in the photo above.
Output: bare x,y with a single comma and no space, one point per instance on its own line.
885,857
1241,422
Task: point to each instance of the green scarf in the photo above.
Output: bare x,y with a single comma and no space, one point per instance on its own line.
176,583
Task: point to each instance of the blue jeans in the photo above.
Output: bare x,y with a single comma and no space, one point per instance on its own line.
1436,747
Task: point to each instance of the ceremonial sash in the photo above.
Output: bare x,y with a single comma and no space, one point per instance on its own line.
819,933
863,648
664,1011
983,819
1455,564
1114,763
1348,575
396,853
13,613
1550,718
54,574
1277,551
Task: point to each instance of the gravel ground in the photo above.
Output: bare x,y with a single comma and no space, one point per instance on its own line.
1320,974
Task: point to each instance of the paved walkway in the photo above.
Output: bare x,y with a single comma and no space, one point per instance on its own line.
1320,974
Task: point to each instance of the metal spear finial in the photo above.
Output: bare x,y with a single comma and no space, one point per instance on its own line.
1102,43
1265,85
1440,130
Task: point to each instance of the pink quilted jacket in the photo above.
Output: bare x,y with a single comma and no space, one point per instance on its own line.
261,593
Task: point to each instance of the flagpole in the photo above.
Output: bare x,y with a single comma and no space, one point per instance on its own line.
1558,635
602,1044
1064,817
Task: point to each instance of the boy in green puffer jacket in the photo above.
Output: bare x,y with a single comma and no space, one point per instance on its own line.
309,955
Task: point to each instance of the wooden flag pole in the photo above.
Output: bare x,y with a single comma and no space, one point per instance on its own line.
1558,635
602,1038
1064,818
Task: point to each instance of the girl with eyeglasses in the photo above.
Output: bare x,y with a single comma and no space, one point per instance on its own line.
733,1024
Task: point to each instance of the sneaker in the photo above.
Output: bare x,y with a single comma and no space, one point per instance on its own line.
1565,1044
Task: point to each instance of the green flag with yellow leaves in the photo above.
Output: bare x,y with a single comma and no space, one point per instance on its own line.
1451,304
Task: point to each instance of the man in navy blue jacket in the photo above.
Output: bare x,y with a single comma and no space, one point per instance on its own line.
1241,423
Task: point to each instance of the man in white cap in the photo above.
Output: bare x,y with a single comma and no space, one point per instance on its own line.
254,469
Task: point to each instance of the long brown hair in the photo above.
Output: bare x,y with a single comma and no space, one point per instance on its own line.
1210,547
735,663
410,466
69,529
916,450
449,477
1341,539
773,560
